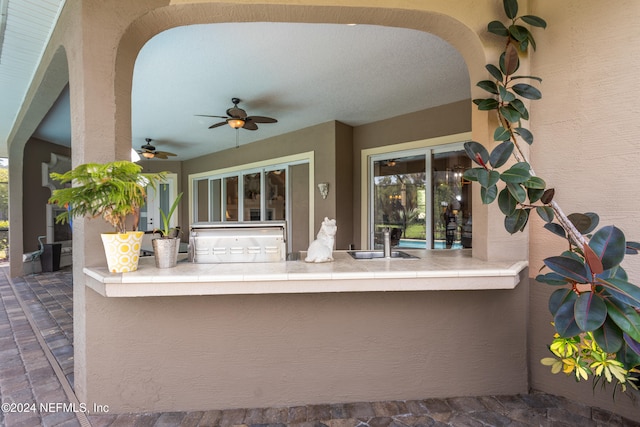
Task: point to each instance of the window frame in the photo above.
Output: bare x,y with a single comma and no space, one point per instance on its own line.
369,156
240,171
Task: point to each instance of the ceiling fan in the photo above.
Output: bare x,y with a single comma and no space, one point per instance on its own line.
237,118
148,151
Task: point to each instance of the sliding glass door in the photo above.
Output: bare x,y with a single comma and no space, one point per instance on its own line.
421,197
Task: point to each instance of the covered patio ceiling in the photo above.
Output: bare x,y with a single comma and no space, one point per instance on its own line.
299,74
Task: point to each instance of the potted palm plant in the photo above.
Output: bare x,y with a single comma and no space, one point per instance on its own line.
165,248
114,191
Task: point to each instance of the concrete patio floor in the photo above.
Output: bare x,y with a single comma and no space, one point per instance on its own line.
36,383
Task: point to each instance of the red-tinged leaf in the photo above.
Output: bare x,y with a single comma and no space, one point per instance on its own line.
511,59
568,267
593,260
621,290
480,161
633,248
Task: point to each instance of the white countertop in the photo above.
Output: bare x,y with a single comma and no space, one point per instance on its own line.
434,270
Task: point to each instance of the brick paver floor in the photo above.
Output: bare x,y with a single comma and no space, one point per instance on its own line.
36,377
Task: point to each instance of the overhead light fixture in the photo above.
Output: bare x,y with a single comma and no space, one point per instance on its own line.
235,123
148,155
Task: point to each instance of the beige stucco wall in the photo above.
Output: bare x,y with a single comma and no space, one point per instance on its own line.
35,206
587,146
213,352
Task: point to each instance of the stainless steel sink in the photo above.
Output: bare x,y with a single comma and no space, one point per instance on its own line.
380,255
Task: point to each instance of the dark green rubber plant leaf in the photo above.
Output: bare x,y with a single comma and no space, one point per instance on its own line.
516,221
621,290
609,244
517,173
510,8
497,28
626,317
556,229
634,347
525,134
476,152
553,279
565,320
517,191
501,154
536,21
633,248
519,33
535,182
510,114
527,91
488,195
472,174
506,202
492,69
568,267
609,337
501,134
487,104
488,178
489,86
545,212
534,194
559,297
590,311
519,106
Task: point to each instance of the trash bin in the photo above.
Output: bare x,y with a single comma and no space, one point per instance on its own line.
50,258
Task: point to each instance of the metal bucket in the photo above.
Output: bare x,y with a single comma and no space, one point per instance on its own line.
165,251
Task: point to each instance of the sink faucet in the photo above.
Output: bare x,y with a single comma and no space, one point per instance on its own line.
387,242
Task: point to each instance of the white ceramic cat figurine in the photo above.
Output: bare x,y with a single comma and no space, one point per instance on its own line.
321,249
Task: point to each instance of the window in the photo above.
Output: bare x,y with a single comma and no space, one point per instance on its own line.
421,196
274,190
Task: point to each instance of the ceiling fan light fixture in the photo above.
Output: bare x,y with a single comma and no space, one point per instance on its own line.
236,123
148,155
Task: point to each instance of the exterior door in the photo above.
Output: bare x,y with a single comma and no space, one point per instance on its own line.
161,197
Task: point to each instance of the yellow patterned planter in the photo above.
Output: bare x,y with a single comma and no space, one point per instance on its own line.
122,250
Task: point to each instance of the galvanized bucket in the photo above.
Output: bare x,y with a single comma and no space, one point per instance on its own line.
165,251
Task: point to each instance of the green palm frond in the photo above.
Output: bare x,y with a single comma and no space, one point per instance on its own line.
112,190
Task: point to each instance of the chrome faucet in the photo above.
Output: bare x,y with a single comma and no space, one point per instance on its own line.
387,242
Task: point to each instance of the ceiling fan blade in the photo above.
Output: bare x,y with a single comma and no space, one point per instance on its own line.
205,115
237,113
217,125
249,125
159,155
165,153
262,119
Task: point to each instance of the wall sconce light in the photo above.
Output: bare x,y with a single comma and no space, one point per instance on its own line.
323,187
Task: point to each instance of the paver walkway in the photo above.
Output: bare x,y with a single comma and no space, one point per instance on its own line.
36,376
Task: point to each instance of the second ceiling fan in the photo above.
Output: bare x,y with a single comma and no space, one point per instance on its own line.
237,118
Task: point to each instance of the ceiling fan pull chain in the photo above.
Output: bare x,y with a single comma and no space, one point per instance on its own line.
237,137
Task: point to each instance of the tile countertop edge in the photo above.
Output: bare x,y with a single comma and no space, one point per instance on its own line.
492,278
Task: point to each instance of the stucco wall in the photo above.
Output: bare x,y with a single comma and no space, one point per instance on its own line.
587,146
34,206
214,352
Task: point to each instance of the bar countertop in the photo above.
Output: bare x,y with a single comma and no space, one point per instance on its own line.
432,271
